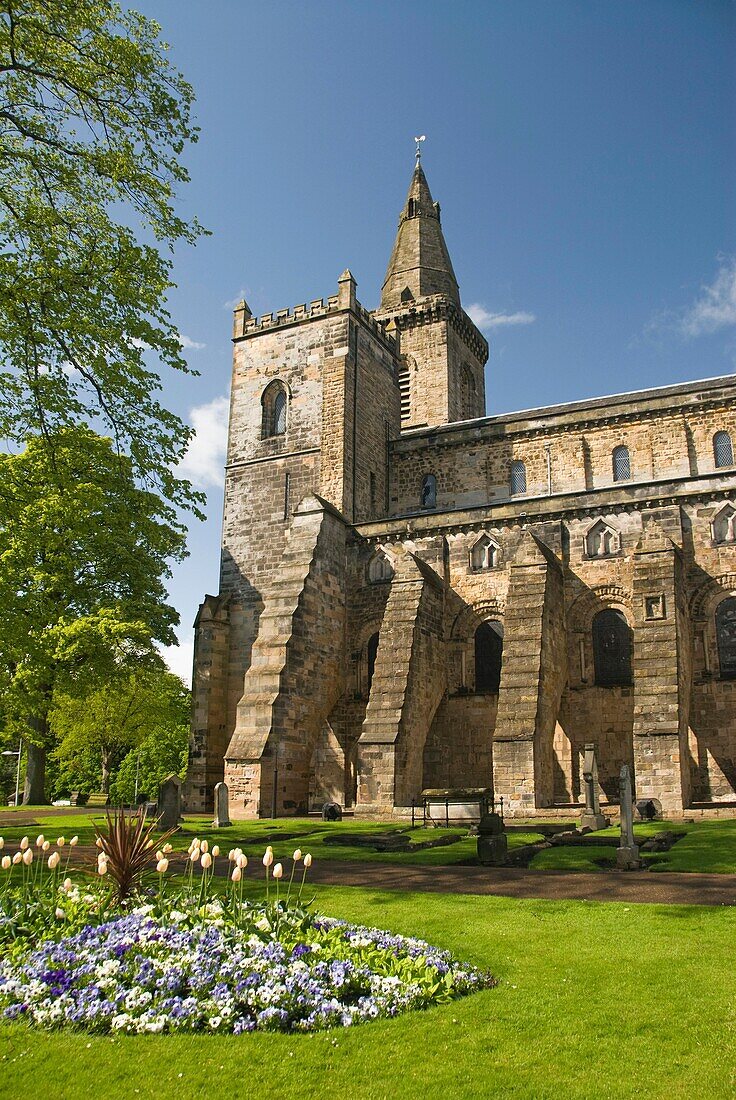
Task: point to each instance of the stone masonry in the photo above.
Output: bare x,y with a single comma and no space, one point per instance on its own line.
414,594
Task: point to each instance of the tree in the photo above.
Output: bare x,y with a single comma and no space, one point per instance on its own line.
83,556
93,123
146,705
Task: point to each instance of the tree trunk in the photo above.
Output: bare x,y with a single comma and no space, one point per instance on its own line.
33,792
106,769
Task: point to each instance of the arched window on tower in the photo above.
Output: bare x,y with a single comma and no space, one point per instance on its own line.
429,491
488,656
611,648
468,393
722,450
274,404
726,637
518,478
621,463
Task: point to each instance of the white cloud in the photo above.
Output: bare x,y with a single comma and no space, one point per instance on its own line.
232,303
179,658
485,320
716,307
190,345
205,454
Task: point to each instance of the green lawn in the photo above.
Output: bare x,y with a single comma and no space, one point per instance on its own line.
709,846
285,834
601,1000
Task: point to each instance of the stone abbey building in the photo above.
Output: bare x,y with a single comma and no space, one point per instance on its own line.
414,594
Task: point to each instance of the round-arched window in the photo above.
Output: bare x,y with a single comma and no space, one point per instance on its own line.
726,635
611,648
488,656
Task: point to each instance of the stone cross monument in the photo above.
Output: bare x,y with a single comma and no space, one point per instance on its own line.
627,854
592,817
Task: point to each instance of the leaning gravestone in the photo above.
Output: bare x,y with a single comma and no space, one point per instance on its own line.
627,854
222,807
592,817
169,802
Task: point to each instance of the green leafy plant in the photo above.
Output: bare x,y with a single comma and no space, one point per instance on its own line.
126,846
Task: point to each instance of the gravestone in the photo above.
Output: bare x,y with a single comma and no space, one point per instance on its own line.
332,811
222,807
592,817
627,853
169,802
492,841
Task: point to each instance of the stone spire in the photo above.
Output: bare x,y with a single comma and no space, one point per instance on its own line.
420,263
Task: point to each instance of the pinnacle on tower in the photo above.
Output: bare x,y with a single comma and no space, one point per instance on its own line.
420,263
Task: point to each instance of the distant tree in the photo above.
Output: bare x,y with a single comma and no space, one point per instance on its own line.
162,752
105,724
83,556
93,124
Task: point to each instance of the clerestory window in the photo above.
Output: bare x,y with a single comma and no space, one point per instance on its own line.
722,450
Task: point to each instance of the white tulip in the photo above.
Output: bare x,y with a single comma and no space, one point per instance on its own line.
2,844
98,842
46,845
216,850
277,871
61,841
24,844
66,885
236,875
6,863
162,865
167,848
205,846
60,914
74,841
54,860
308,860
268,858
39,840
242,861
194,855
159,854
206,860
297,855
27,857
17,857
102,868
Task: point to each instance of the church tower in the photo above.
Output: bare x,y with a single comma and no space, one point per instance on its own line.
442,353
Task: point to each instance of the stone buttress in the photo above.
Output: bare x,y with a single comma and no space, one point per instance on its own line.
533,676
407,687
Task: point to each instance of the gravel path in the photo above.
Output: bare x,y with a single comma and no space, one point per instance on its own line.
651,887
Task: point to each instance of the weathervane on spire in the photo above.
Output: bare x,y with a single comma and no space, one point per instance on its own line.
419,141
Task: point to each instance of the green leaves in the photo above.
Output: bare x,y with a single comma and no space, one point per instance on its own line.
93,122
83,556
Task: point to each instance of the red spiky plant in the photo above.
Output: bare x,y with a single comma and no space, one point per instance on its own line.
128,842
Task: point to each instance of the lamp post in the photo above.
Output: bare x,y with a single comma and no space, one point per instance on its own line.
15,752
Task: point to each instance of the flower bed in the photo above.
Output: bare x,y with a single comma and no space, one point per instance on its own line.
277,971
185,956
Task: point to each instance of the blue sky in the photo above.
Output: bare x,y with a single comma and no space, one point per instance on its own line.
583,153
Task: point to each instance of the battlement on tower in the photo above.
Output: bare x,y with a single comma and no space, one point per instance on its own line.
244,324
